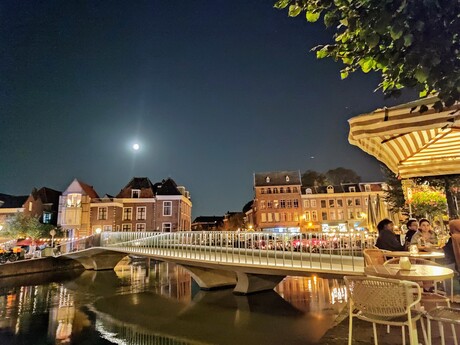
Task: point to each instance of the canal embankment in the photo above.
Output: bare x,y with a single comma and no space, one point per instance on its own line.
38,265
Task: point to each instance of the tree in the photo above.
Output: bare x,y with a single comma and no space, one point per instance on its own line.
21,225
394,195
429,203
313,178
413,44
342,175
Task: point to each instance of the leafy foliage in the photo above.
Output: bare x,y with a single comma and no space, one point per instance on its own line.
21,225
394,195
413,44
429,202
312,178
342,175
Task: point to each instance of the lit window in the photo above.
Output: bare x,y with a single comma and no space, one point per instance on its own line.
167,208
367,187
330,189
127,213
267,179
74,200
135,193
269,217
277,217
141,213
30,206
287,178
140,227
307,216
314,216
339,214
308,191
306,203
313,203
102,213
262,204
263,217
46,217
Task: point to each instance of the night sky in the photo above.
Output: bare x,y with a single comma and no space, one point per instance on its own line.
212,91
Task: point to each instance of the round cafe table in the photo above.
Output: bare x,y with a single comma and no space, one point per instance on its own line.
417,273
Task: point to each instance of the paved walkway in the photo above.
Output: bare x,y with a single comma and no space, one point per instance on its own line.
363,335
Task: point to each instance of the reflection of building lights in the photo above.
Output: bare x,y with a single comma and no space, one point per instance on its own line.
338,295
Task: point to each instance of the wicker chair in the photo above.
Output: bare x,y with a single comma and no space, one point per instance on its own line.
444,315
384,301
374,257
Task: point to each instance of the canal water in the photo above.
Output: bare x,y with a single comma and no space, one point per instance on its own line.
159,305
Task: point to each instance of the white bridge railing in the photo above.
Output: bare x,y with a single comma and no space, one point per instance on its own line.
330,252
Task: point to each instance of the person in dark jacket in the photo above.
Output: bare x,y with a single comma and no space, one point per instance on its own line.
412,228
387,239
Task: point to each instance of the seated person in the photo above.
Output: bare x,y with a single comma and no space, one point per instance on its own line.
412,228
424,236
387,239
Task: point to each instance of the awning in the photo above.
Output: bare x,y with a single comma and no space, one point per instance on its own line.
409,143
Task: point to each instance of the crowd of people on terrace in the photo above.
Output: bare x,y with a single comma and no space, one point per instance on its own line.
421,234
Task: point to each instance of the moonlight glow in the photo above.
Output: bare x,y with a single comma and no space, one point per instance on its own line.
136,147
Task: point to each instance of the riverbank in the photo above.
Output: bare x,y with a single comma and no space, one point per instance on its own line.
47,264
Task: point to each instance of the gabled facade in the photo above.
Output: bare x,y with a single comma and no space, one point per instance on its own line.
143,206
74,209
277,201
44,204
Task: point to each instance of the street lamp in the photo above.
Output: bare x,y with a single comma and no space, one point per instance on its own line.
98,230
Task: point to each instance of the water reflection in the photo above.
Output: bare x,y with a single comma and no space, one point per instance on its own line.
158,303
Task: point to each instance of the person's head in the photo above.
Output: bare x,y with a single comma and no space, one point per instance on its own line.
454,226
425,225
412,224
385,224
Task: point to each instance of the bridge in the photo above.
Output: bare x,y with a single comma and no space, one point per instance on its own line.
249,261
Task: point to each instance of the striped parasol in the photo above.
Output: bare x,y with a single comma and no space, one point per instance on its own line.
408,142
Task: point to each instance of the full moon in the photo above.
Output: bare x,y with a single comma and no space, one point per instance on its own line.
136,147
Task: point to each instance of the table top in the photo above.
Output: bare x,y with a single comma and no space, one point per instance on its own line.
417,272
421,255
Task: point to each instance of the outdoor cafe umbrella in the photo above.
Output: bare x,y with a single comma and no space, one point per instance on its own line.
409,142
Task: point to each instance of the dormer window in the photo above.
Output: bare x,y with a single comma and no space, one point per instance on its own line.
74,200
330,189
352,189
367,187
136,193
308,191
267,179
287,178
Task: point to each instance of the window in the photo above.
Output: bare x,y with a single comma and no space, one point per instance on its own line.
288,189
332,215
263,217
313,203
349,202
289,217
74,200
269,217
30,206
126,227
358,202
127,213
352,189
108,227
102,213
340,215
267,179
277,217
308,191
330,189
331,203
140,227
323,203
358,213
262,190
275,204
275,190
295,190
269,191
307,216
323,215
167,208
166,227
283,217
118,227
46,217
296,217
296,203
314,216
262,204
351,214
289,204
269,204
136,193
306,203
367,187
281,189
283,203
366,201
141,213
339,203
287,178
